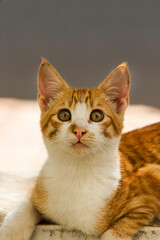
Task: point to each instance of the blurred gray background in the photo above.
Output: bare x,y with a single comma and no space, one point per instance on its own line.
84,40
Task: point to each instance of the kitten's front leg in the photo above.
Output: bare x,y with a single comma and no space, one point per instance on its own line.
20,223
126,227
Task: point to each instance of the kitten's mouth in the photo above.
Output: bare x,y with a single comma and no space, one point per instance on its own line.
79,144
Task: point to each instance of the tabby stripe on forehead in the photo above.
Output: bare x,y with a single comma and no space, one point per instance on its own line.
88,99
73,100
75,97
70,102
81,95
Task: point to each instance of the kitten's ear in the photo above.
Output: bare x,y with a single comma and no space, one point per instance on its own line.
116,88
50,84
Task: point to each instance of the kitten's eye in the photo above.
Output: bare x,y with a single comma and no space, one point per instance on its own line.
64,115
96,116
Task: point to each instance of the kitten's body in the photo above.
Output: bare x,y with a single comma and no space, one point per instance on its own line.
137,199
92,180
73,202
76,189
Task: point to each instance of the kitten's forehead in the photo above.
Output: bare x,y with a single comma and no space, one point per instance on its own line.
82,101
81,106
80,111
81,96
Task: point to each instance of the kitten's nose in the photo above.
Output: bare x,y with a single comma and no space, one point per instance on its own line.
79,132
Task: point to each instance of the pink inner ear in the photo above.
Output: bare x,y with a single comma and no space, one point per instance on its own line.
50,84
42,102
122,105
43,95
42,89
121,95
47,91
116,87
122,89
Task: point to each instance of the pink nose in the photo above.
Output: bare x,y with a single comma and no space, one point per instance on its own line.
79,132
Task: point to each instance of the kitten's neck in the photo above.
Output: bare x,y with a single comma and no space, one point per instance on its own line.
103,162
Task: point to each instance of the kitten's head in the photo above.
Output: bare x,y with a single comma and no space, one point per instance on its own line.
82,121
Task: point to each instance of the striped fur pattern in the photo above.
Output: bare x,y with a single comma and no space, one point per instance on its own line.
96,179
105,186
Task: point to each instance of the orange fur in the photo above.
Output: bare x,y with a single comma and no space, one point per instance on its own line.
137,198
39,197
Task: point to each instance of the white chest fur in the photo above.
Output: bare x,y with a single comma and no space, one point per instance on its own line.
77,190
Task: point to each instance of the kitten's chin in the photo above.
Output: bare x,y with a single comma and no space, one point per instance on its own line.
79,148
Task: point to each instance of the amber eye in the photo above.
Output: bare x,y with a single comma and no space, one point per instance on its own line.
64,115
96,116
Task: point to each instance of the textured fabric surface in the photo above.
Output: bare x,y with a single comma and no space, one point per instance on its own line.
51,232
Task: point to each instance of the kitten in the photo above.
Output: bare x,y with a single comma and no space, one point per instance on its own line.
94,179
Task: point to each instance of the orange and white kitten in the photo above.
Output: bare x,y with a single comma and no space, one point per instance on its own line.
94,180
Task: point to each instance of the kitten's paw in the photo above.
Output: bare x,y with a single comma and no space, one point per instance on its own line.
20,223
108,235
7,233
